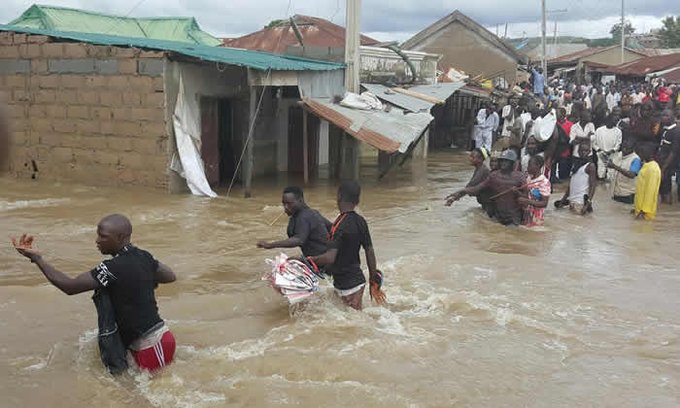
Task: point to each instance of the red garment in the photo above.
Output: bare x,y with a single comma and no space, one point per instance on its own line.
646,99
158,356
566,125
662,93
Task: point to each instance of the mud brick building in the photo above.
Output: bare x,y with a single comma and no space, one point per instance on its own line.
101,110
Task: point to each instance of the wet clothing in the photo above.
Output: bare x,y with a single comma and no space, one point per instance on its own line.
481,173
579,185
670,143
349,233
158,355
310,227
647,190
130,279
538,188
506,208
624,187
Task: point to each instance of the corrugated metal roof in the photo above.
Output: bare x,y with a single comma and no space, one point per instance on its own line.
672,76
182,29
644,66
440,91
390,132
403,101
230,56
316,32
410,103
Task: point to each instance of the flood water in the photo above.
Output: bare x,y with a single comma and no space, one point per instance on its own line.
580,313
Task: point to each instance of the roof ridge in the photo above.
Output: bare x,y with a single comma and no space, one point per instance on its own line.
96,13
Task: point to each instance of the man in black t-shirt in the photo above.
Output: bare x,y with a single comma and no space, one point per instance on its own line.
348,234
668,153
129,280
307,228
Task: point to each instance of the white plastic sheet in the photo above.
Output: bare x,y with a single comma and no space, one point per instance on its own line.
187,124
365,101
544,127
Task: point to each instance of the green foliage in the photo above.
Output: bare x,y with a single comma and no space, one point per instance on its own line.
601,42
616,30
670,32
275,23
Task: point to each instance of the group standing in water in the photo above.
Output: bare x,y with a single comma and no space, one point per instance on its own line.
635,146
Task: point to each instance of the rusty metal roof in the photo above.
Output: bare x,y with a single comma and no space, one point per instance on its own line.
575,56
644,66
315,32
390,132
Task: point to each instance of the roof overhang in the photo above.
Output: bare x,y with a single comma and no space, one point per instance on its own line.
391,132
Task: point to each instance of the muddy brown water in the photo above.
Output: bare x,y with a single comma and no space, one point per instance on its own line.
580,313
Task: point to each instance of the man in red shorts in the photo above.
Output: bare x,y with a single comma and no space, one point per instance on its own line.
129,279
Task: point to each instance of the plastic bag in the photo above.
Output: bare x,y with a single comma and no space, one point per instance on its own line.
291,278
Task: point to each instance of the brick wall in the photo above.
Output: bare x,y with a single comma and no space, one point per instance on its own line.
84,113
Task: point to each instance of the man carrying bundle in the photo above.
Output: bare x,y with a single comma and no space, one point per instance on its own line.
307,228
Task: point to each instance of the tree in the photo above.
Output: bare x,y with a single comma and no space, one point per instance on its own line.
616,30
276,23
670,32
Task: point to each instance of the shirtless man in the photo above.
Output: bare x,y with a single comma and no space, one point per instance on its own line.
505,185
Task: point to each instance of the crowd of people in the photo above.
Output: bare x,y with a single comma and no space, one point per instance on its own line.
624,136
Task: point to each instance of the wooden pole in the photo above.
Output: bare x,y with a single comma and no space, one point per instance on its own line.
249,161
543,56
305,146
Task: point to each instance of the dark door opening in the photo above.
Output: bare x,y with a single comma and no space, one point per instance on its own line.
217,141
295,142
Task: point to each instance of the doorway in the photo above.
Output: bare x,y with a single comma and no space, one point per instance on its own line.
218,147
296,145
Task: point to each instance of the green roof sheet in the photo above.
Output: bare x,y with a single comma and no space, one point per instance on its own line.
231,56
73,20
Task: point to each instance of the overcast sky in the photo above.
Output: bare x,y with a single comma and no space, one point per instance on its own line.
386,19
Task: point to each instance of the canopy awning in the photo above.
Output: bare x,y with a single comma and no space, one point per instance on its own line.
415,99
391,132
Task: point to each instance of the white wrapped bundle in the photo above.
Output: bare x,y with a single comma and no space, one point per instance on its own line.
291,278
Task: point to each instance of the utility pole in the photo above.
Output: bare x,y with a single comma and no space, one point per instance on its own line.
506,30
352,45
544,64
623,35
555,38
349,153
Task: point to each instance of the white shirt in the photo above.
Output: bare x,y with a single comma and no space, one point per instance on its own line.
637,97
606,139
581,132
611,101
509,120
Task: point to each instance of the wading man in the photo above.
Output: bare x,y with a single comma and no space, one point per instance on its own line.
307,228
348,234
579,194
129,280
505,185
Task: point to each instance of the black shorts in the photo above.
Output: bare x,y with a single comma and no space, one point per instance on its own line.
666,183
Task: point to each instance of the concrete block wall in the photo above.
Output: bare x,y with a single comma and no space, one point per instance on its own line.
84,113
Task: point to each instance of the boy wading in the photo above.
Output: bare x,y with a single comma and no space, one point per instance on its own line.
348,234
